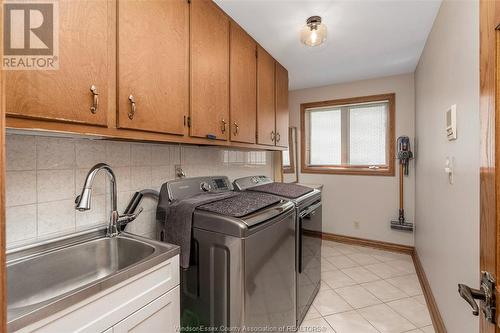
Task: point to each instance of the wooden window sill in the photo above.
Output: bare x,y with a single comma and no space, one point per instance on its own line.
351,170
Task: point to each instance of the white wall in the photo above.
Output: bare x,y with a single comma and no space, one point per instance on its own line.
447,235
44,175
370,200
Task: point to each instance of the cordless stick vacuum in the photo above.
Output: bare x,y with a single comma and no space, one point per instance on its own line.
404,157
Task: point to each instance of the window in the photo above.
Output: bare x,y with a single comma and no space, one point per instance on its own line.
349,136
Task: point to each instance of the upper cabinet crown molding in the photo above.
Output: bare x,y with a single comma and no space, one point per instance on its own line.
153,65
209,71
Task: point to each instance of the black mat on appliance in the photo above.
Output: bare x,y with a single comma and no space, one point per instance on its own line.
287,190
177,217
242,204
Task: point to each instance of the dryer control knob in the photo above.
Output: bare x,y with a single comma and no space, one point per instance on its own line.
206,187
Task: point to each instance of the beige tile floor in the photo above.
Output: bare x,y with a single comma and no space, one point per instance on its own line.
365,290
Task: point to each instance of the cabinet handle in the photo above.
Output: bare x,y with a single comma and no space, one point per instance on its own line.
236,128
223,127
278,137
95,103
273,136
131,113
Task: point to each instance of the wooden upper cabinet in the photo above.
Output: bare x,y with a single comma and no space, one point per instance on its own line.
243,91
65,94
282,115
153,65
265,98
209,71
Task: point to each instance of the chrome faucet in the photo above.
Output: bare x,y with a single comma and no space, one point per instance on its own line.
83,201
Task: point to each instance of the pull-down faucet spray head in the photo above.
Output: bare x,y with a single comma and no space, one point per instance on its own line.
84,200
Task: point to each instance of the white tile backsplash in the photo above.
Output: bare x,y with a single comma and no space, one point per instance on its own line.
97,215
21,154
117,153
140,178
123,178
22,223
160,155
21,188
44,175
53,185
56,218
54,153
140,154
160,173
89,153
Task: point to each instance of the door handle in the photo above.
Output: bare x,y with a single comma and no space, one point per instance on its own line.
299,263
485,294
311,210
133,109
223,127
278,137
273,136
236,128
95,96
470,295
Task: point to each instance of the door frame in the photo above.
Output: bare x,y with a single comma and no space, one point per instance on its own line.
3,273
490,152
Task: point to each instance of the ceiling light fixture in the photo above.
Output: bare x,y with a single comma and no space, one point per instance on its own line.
314,32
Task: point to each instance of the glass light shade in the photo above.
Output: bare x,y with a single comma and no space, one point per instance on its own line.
313,34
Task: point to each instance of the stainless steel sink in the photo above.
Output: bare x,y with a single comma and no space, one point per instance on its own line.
44,279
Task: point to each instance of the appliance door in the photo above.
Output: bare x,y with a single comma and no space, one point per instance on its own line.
308,257
212,286
270,276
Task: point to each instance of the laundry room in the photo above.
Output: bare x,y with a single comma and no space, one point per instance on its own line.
249,166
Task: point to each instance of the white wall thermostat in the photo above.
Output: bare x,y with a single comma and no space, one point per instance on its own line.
451,123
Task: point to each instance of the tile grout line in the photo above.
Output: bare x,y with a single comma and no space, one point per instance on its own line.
352,310
406,297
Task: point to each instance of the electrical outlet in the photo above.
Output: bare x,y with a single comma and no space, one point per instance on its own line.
356,224
179,173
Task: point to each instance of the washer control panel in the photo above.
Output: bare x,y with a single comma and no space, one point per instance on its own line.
216,185
247,182
187,187
206,187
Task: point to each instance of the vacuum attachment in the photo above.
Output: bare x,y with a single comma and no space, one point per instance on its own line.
404,156
401,223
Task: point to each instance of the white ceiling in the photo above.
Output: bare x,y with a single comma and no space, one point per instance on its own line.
366,39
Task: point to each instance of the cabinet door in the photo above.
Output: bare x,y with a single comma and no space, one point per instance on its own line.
265,98
161,315
209,71
153,65
64,94
282,116
243,91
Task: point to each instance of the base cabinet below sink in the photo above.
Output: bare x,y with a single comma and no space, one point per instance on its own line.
161,315
145,303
